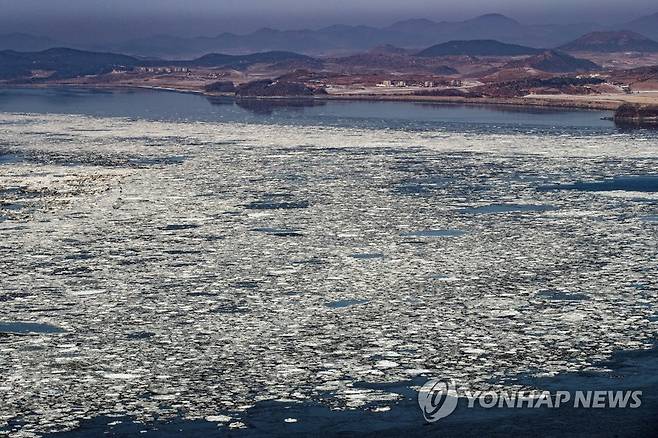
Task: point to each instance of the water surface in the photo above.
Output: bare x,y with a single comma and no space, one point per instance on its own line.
173,106
28,327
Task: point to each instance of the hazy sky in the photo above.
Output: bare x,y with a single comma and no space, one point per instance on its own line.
116,19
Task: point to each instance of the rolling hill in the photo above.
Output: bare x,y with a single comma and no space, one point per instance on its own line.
378,62
477,48
237,61
66,63
614,41
62,62
554,62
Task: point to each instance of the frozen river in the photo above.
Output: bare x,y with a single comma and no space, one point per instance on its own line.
162,262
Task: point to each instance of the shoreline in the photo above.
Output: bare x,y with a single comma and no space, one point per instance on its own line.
609,105
554,103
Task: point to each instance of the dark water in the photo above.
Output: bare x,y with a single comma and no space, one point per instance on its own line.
557,295
171,106
367,256
433,233
281,232
345,303
632,370
28,327
642,183
506,208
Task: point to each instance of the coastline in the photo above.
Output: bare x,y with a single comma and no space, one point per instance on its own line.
567,102
511,101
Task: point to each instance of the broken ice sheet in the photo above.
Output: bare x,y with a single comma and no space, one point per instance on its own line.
197,287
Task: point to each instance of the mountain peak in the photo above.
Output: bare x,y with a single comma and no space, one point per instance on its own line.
477,48
415,21
494,15
500,18
388,49
413,25
612,41
553,61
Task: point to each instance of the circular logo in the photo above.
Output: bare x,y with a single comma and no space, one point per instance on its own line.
437,399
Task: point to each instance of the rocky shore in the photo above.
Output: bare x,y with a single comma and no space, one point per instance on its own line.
636,114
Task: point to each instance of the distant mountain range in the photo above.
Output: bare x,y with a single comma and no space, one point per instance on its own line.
615,41
410,34
414,34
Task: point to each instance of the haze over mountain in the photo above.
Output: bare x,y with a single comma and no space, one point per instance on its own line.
97,22
413,34
26,43
410,34
647,25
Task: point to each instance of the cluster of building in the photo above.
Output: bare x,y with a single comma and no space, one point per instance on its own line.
416,83
163,70
389,83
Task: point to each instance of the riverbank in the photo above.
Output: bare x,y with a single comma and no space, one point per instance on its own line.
605,102
558,102
593,102
163,104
